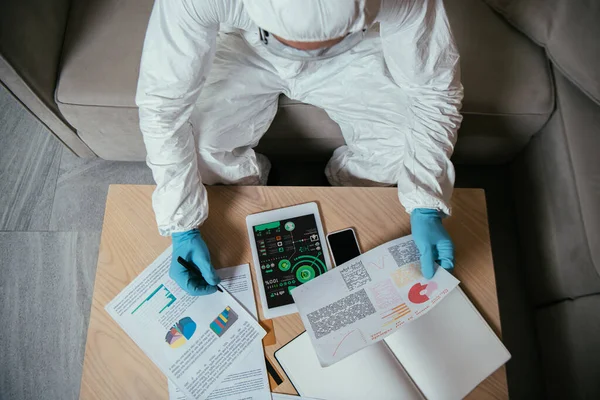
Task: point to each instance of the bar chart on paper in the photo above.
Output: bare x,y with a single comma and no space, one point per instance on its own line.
223,321
157,302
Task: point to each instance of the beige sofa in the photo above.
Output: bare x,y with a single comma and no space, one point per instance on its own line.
74,64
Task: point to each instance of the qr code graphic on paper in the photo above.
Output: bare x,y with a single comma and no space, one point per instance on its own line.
340,314
355,275
405,253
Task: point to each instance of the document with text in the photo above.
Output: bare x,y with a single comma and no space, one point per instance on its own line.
248,378
195,341
367,299
280,396
175,394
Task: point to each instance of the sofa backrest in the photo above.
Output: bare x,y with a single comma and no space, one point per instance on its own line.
31,39
569,31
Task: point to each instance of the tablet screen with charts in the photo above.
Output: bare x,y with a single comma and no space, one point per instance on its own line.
288,249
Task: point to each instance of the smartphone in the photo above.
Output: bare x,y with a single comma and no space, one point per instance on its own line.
343,246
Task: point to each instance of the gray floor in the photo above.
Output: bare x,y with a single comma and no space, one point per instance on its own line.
51,210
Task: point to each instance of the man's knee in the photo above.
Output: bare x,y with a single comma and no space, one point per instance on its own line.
349,167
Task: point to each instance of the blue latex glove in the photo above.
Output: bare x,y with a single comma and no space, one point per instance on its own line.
432,240
191,247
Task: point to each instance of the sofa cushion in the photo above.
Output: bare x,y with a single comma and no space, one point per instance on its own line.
557,194
569,30
113,132
569,337
508,96
301,129
102,52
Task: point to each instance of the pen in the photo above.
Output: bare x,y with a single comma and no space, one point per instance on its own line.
192,269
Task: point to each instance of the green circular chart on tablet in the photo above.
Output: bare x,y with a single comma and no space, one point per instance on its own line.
305,273
284,265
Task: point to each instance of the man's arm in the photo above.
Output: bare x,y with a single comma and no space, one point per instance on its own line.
420,54
178,52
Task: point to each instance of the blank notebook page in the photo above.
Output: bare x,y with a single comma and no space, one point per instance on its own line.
372,373
450,350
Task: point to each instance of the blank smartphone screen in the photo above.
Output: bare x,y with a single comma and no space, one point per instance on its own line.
343,246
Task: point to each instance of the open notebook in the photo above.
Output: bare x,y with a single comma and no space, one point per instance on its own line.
442,355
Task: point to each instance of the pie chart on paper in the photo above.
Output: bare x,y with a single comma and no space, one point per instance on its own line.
180,332
419,293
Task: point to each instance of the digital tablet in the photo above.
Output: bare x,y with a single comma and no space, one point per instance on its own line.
289,248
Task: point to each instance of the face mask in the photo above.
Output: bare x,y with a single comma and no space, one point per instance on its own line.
277,48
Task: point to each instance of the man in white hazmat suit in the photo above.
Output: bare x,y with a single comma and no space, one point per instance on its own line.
206,98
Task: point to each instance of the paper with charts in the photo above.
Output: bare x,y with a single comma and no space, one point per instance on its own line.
195,341
247,379
368,298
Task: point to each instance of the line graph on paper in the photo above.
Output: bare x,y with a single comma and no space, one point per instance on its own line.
355,335
379,263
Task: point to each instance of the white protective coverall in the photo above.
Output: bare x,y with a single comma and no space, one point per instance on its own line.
206,97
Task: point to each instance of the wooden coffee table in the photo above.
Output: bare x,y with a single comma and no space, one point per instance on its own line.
115,368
